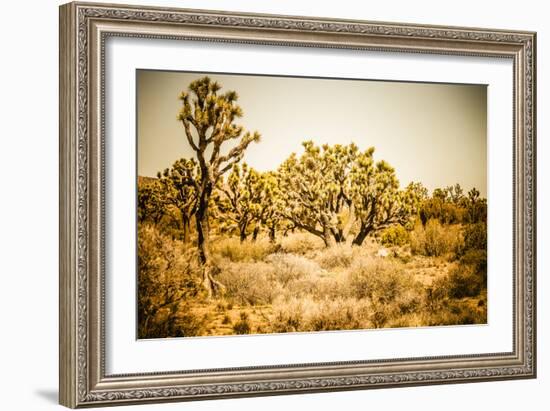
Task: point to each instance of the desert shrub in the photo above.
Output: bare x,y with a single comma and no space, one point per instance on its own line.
235,250
300,243
402,254
189,323
290,267
407,320
320,287
475,237
166,278
338,314
307,314
463,281
243,325
287,316
444,211
176,320
226,319
390,291
477,259
434,240
395,235
339,255
456,312
248,282
368,277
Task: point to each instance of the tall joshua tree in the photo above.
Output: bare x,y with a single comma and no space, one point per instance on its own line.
208,118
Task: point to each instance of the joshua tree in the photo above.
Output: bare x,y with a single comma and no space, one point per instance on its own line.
268,213
476,206
179,184
455,194
315,186
328,190
240,199
379,203
151,202
208,120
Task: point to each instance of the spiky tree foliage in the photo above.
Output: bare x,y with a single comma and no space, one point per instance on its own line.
455,194
268,214
208,118
180,185
328,190
151,201
315,189
419,190
248,202
378,201
240,199
477,207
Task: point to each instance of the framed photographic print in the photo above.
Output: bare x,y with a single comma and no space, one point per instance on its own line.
258,204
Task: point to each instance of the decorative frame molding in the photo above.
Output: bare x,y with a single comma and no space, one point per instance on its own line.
83,30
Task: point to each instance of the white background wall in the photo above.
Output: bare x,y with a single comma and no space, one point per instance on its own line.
29,189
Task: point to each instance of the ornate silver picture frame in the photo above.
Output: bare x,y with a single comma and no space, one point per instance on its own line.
84,30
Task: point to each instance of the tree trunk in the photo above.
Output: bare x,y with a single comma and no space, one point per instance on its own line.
361,235
203,233
255,232
338,236
242,232
350,223
328,238
272,234
185,228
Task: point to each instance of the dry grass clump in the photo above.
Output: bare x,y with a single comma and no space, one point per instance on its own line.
318,287
243,325
233,249
300,243
291,267
249,282
435,240
307,314
368,277
340,255
391,292
257,283
464,281
458,312
189,322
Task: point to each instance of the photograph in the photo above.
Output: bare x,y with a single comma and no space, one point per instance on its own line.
270,204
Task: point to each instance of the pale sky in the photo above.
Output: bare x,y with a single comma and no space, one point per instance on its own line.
435,134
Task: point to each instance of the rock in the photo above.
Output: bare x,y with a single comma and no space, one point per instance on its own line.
382,253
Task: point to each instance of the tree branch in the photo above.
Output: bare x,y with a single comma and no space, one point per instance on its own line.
189,135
